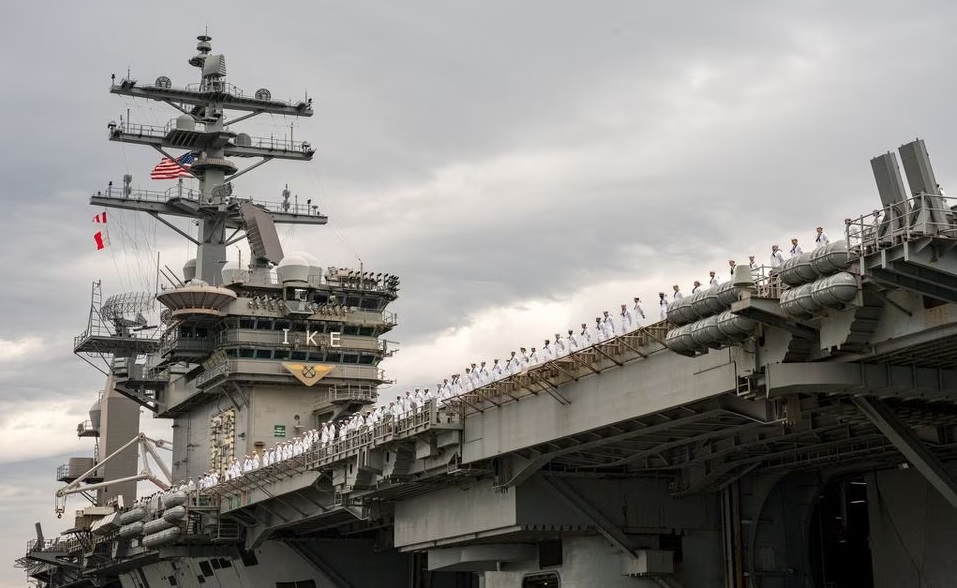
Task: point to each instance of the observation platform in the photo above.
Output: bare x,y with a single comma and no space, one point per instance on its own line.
181,201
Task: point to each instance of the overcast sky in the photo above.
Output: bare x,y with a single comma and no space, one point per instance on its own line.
522,166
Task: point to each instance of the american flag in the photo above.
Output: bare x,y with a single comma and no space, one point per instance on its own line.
167,169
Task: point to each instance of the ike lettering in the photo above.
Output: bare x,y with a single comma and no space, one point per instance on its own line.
334,339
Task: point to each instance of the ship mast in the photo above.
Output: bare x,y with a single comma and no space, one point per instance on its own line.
203,130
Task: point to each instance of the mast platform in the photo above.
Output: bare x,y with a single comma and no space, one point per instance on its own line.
183,202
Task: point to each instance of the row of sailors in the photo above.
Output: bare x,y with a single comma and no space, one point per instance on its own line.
187,486
777,259
777,256
326,434
477,376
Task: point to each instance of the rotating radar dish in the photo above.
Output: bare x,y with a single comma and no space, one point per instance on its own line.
127,309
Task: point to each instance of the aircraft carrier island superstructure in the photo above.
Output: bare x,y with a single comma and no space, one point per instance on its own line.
788,428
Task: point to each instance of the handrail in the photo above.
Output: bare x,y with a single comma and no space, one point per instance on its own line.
921,216
271,143
640,342
182,192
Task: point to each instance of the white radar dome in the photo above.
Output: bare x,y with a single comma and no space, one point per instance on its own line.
185,122
189,270
233,273
298,267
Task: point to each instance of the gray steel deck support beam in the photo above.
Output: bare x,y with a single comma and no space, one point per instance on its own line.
312,557
603,525
910,445
767,311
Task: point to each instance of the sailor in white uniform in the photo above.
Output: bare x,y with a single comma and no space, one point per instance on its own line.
484,376
627,320
714,279
546,354
663,306
496,371
777,258
599,335
586,336
607,325
696,287
731,263
514,365
571,343
677,295
409,402
821,240
639,311
795,248
455,386
559,347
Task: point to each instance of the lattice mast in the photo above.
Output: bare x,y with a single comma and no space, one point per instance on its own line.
202,129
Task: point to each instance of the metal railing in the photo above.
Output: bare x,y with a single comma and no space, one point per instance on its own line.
350,392
921,216
181,191
216,86
219,370
271,143
392,428
546,377
767,284
86,429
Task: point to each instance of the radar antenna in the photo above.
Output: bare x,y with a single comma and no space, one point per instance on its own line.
204,129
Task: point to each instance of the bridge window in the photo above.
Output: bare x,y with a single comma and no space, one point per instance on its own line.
543,580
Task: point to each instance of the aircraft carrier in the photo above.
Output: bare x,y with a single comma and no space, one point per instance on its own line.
792,427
